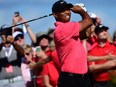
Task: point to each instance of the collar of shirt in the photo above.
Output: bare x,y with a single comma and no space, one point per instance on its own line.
107,44
58,23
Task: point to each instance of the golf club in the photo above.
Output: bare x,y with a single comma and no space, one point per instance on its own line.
32,20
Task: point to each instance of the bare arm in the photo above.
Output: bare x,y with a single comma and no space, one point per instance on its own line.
30,33
46,81
32,65
44,59
86,21
19,19
18,48
95,68
96,58
15,20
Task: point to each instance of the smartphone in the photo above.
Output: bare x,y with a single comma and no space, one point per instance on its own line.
16,14
38,48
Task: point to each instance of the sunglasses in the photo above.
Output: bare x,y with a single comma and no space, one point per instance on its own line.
27,53
20,36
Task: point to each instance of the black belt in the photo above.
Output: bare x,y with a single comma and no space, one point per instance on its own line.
74,74
102,81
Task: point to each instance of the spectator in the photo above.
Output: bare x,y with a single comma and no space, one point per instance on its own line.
52,45
50,75
68,45
50,33
43,41
10,63
51,70
105,51
26,72
51,65
92,37
19,19
19,38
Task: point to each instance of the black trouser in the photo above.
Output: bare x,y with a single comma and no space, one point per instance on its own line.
73,80
102,84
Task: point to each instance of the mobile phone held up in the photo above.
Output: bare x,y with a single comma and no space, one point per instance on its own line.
38,48
16,14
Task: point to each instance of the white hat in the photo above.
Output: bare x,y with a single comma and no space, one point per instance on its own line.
92,15
16,33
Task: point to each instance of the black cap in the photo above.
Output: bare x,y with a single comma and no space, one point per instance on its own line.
61,6
100,28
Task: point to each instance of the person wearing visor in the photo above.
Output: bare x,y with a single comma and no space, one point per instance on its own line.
19,38
70,50
25,29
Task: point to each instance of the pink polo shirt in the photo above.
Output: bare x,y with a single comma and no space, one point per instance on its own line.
70,50
55,59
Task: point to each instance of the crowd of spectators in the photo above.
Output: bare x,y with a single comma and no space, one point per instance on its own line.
73,54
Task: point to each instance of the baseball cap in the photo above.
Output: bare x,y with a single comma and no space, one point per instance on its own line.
61,6
100,28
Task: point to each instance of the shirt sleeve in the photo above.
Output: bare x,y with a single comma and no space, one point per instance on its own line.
55,59
71,29
45,70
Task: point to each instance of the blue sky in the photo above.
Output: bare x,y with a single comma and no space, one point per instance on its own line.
30,9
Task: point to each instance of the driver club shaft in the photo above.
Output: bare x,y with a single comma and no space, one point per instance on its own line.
32,20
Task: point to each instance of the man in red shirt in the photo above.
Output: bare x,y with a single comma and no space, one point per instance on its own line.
104,49
70,50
